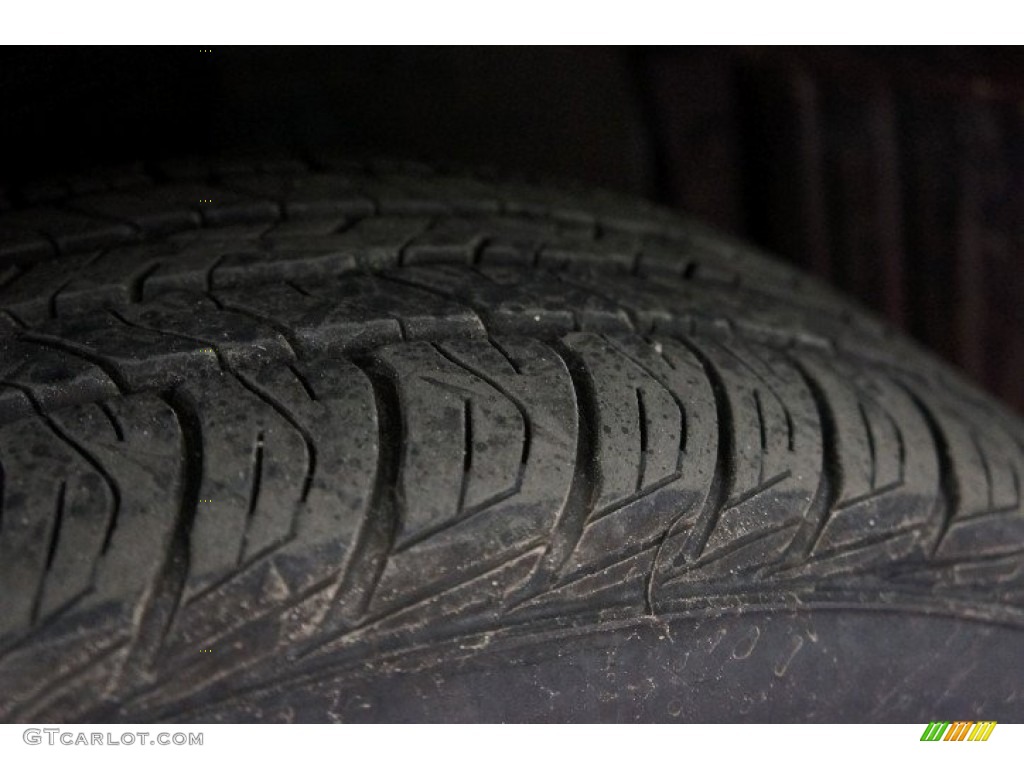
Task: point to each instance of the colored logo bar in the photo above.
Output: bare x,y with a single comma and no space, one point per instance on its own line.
959,731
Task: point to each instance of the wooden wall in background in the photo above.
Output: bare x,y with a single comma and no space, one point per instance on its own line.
897,175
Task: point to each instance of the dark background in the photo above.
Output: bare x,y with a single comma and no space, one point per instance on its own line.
896,174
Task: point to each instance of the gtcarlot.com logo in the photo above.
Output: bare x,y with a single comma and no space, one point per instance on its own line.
69,738
959,731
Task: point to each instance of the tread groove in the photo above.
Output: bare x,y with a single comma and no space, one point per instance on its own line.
985,468
303,382
467,454
51,548
254,495
762,435
104,407
643,427
137,284
872,458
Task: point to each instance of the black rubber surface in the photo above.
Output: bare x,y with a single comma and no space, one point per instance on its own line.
368,442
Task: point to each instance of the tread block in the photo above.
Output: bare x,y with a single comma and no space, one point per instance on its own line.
889,470
134,358
454,194
194,317
307,196
656,442
24,246
69,231
351,313
776,458
140,210
85,539
52,377
30,295
489,499
215,204
518,301
289,462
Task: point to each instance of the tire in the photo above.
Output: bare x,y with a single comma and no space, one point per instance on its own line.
371,442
